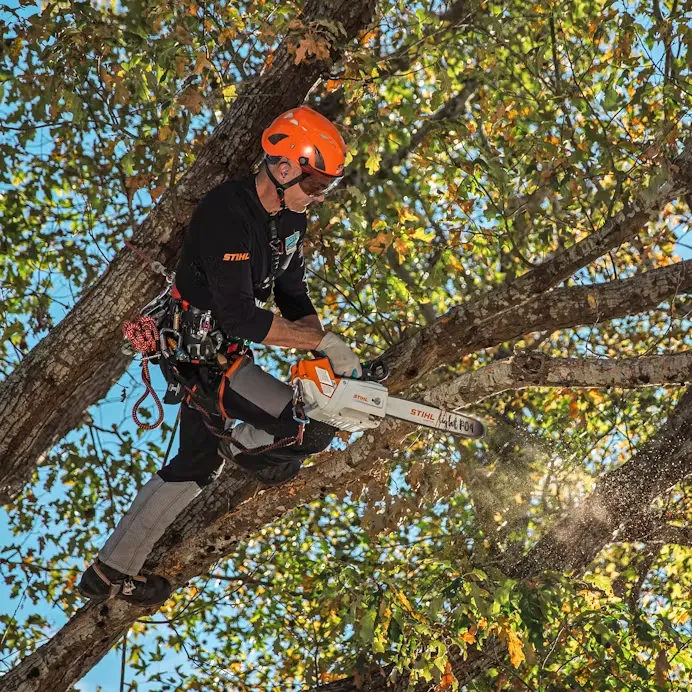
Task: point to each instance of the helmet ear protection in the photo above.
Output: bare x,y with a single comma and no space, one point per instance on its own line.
305,136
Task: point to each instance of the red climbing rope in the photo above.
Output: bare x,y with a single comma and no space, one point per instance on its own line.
143,334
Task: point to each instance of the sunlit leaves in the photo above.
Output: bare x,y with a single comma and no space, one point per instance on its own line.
478,146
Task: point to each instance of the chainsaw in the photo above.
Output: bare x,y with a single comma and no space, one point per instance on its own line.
361,404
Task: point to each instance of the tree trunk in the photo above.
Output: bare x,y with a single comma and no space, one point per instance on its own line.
79,361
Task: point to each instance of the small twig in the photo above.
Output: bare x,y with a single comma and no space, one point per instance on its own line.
123,662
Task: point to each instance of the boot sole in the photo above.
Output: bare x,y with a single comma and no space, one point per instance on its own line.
100,598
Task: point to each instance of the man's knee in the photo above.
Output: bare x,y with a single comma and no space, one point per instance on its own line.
203,473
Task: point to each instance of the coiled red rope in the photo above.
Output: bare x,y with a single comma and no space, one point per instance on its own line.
143,334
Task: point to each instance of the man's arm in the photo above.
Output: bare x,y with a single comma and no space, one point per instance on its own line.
302,334
305,333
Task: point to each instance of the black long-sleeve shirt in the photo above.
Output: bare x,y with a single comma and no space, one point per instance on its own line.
226,257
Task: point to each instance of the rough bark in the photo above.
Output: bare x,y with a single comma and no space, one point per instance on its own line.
538,370
79,360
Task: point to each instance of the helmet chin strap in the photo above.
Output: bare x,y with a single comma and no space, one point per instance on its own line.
280,187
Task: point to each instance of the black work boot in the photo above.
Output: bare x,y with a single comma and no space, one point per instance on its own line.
268,473
101,582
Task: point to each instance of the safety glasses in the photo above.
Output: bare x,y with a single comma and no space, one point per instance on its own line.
315,184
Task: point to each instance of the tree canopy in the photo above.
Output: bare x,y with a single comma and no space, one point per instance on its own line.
510,237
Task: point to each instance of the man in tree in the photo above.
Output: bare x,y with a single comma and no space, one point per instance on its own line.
244,239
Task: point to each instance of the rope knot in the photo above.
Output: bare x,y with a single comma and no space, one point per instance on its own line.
143,334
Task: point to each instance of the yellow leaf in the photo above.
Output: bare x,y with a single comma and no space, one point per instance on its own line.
164,132
453,261
379,225
373,162
515,648
404,601
421,234
405,214
229,92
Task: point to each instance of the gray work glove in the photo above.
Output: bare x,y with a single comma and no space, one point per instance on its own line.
344,361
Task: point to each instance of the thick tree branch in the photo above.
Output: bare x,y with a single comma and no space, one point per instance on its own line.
568,308
621,497
538,370
429,348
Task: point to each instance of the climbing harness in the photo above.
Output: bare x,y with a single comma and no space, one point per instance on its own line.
143,335
176,335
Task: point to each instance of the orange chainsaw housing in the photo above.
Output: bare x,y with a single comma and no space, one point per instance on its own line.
318,371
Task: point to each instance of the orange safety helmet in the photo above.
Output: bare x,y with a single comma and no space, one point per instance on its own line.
308,138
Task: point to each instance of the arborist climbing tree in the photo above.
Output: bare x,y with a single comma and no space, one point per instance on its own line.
244,241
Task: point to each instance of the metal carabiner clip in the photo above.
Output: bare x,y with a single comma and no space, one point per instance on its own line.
299,414
164,335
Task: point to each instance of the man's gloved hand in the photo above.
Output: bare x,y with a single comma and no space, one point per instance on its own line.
344,361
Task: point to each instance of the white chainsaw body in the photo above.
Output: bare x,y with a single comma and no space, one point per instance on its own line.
351,405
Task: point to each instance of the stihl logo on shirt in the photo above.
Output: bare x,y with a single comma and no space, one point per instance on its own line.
236,256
